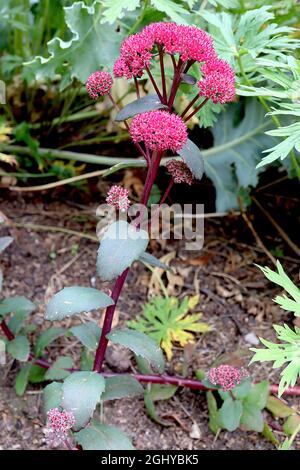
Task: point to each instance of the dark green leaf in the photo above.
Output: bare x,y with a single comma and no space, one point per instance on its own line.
18,348
213,412
87,360
58,370
102,437
81,393
36,374
74,300
161,392
192,156
22,379
141,345
149,404
17,321
46,338
121,386
147,103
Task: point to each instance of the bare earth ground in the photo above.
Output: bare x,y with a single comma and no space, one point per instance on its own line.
235,300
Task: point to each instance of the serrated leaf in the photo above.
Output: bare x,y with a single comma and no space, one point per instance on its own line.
74,300
252,417
46,338
58,370
141,345
88,334
175,11
192,156
102,437
5,242
52,396
230,414
92,45
142,105
168,322
121,245
16,304
81,392
116,9
121,386
19,348
22,380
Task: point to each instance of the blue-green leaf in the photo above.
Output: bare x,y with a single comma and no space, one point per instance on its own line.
52,396
192,156
74,300
46,338
102,437
88,334
121,386
59,369
19,348
146,103
16,304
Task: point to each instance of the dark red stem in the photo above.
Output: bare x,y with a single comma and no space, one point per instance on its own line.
196,110
176,82
162,71
190,105
109,315
154,84
137,89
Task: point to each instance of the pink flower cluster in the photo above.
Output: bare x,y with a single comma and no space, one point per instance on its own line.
180,172
159,130
99,83
58,424
118,198
190,42
218,81
226,376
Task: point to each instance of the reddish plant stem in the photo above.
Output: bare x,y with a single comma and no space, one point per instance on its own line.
154,84
176,82
158,379
190,105
137,89
109,315
196,110
162,71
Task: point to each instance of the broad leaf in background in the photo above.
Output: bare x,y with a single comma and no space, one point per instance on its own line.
73,300
81,393
192,156
121,386
141,345
88,334
93,45
117,9
102,437
121,245
231,163
142,105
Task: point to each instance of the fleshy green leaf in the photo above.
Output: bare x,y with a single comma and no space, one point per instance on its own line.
242,390
278,408
81,393
16,304
18,348
52,396
120,387
146,103
22,380
230,414
88,334
192,156
5,242
252,417
74,300
147,258
120,246
36,374
58,370
46,338
102,437
258,395
214,421
141,345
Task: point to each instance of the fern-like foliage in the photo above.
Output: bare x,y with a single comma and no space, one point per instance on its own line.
288,348
167,321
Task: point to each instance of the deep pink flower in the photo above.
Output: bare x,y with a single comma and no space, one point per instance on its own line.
58,425
99,83
218,81
118,197
180,172
226,376
190,42
159,130
135,56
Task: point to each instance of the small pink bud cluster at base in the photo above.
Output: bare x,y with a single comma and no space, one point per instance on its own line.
99,83
159,130
58,425
180,172
227,377
118,198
